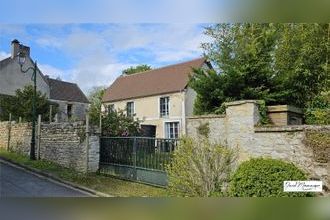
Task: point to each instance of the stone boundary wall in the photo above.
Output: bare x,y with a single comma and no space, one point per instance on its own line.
61,143
238,129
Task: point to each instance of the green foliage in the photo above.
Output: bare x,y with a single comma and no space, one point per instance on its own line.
136,69
264,178
199,168
264,119
95,98
318,110
204,129
281,64
301,62
319,142
117,124
20,105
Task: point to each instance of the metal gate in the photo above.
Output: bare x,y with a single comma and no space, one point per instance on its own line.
137,158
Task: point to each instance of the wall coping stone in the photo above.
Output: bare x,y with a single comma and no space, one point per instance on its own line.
284,108
292,128
207,116
241,102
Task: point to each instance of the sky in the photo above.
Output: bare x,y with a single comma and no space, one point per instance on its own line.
95,54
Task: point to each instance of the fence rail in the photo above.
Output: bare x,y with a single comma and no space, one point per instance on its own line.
142,152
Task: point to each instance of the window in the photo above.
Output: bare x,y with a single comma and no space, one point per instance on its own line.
164,104
111,108
69,111
172,129
130,109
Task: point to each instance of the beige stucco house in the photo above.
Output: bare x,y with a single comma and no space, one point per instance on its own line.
161,98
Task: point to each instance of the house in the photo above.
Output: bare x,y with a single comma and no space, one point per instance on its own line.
71,101
161,98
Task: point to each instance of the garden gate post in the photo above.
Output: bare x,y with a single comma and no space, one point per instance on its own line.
87,141
38,136
9,132
134,158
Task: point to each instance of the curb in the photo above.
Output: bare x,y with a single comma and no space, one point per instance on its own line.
51,177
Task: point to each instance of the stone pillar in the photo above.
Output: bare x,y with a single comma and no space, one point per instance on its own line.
241,117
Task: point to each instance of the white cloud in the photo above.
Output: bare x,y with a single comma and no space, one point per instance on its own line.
95,52
4,55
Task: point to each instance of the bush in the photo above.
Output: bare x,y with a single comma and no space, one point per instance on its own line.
318,111
264,178
199,168
117,124
319,142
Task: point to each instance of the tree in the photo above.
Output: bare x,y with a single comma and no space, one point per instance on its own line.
301,64
281,64
242,54
117,124
136,69
95,98
20,105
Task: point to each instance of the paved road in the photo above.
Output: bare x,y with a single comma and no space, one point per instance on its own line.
15,182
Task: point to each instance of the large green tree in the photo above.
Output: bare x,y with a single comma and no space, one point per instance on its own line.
136,69
279,63
241,54
20,105
301,62
95,98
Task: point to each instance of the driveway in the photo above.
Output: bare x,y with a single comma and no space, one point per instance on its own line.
16,182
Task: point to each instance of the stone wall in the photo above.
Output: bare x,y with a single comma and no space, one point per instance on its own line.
62,143
238,129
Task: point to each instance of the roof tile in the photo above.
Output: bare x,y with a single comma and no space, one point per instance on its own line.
173,78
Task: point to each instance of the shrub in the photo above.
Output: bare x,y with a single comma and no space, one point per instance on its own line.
264,178
199,168
319,142
204,129
318,111
117,124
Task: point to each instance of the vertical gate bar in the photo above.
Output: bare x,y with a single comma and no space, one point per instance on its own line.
134,158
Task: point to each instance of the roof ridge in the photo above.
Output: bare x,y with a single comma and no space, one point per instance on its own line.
59,80
163,67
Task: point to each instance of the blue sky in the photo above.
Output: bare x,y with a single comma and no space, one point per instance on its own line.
94,54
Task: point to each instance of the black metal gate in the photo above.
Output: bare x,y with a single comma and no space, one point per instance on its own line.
137,158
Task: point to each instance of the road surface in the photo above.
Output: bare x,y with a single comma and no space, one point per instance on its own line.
16,182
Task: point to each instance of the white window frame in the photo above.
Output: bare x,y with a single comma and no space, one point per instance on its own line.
166,134
133,109
168,107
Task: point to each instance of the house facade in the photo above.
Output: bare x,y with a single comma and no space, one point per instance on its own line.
71,102
159,98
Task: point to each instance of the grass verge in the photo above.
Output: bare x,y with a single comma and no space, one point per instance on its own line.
105,184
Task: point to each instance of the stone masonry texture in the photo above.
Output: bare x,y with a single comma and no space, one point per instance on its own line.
62,143
238,129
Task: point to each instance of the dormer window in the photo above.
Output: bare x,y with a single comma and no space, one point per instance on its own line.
164,106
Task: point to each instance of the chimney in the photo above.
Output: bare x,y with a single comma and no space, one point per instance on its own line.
14,48
25,50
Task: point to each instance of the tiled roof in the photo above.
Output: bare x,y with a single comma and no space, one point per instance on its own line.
65,91
173,78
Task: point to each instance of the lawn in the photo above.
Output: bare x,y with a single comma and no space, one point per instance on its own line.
105,184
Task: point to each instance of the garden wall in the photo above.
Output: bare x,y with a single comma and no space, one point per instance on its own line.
238,129
62,143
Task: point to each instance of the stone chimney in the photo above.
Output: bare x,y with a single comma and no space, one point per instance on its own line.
16,47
